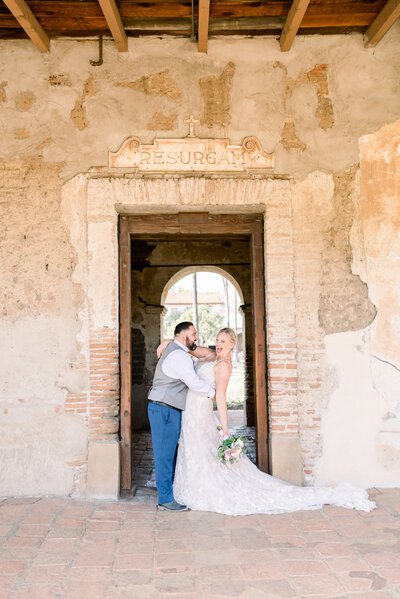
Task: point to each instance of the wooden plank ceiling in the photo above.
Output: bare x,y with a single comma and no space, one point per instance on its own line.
43,20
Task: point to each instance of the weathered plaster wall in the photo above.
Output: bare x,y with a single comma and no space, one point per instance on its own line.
327,91
60,116
361,415
42,445
330,298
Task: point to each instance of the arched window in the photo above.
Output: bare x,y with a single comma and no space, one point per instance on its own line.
211,298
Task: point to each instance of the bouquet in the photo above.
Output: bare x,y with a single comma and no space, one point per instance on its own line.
231,449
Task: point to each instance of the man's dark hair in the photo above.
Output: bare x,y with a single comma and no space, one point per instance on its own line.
182,326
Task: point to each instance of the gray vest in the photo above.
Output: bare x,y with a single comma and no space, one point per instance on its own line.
170,391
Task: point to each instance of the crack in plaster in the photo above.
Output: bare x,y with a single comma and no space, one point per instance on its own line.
386,362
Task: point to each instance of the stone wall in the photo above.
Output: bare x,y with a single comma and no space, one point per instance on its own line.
311,106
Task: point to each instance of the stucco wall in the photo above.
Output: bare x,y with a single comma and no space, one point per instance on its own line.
61,116
361,417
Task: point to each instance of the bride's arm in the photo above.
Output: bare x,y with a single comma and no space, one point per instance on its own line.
222,375
199,352
162,347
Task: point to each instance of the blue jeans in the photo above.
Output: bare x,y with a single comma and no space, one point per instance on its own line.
165,424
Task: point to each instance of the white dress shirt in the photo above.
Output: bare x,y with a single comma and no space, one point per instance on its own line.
179,365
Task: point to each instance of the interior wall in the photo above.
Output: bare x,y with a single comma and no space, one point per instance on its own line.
154,262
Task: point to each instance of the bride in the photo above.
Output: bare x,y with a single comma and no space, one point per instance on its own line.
203,483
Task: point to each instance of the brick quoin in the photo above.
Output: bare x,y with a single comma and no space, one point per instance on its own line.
104,384
281,329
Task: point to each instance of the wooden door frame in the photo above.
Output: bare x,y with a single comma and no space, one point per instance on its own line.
193,224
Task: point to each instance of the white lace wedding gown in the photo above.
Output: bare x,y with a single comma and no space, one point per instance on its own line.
203,483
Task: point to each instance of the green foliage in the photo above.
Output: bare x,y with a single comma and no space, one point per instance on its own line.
209,323
171,320
235,443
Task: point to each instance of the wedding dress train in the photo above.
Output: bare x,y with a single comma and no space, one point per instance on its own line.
203,483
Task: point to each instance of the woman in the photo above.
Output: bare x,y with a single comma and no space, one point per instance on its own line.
203,483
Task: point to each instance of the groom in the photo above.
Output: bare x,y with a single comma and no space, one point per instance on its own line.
173,376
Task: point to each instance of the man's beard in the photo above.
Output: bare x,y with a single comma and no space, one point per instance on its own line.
191,346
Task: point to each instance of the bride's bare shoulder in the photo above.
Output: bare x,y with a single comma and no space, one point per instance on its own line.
223,365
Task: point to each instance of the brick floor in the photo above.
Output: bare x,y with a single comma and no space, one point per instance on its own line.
60,548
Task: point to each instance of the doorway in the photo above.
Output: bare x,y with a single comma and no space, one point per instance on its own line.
236,241
211,298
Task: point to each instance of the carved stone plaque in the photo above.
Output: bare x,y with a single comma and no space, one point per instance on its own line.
192,154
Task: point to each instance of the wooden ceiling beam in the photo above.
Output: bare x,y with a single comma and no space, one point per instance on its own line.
29,24
292,23
113,18
204,19
382,23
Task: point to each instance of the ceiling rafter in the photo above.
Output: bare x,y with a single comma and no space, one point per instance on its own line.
114,22
29,23
85,18
382,23
204,19
292,23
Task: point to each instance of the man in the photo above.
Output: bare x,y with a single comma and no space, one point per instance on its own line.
173,376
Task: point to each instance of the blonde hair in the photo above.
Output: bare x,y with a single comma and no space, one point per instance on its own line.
230,332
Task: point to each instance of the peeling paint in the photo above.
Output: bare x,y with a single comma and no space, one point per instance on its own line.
157,84
291,83
215,92
78,113
318,76
344,303
24,100
162,122
21,133
59,80
3,95
290,141
324,112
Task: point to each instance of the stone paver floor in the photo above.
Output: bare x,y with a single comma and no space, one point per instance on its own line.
76,549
